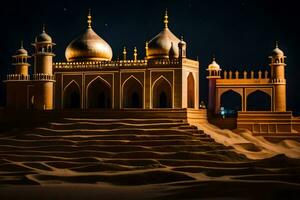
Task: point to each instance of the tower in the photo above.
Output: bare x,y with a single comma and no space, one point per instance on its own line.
42,98
20,61
16,83
278,79
214,73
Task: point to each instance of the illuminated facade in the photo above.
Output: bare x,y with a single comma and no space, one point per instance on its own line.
272,84
272,117
165,78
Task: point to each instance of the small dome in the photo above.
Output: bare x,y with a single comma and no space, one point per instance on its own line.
214,65
43,38
21,52
277,52
161,44
88,46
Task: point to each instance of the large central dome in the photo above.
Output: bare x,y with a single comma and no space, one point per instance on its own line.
88,47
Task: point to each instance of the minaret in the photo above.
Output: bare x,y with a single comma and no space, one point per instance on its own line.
20,62
214,73
17,82
278,79
43,55
43,71
182,48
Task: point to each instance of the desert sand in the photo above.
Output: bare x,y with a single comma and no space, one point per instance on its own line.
78,158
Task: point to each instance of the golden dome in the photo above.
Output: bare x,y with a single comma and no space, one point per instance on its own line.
164,42
88,46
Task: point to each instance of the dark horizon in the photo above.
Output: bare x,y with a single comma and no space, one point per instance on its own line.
240,33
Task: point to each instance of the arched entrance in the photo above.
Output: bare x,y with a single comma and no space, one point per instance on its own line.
258,101
72,95
231,101
162,93
99,94
191,91
132,93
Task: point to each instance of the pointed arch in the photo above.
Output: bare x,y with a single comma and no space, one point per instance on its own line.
258,100
231,101
162,93
132,93
190,91
72,95
99,94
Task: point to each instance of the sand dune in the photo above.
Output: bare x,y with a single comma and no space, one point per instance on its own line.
254,147
166,159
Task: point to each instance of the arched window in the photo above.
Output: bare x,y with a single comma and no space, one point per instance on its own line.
191,91
162,93
99,94
231,101
132,93
258,101
72,96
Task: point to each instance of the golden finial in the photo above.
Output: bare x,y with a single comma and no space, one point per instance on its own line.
181,38
21,44
146,49
276,44
166,19
44,27
124,53
135,54
89,19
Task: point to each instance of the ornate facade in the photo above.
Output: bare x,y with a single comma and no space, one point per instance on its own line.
88,78
272,84
164,78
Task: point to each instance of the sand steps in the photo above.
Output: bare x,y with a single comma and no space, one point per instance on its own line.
121,151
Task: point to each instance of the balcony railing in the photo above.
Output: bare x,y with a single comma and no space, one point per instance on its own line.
18,77
40,76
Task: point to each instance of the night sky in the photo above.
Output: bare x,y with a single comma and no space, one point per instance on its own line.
241,33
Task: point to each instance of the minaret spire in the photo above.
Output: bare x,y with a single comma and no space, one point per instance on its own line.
135,54
166,19
124,53
89,19
146,49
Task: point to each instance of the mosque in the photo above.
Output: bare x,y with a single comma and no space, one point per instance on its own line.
89,78
165,78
